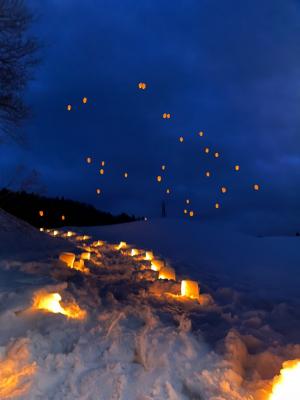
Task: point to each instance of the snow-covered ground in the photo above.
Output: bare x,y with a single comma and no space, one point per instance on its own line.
136,338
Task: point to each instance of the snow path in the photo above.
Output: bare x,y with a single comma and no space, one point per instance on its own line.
137,341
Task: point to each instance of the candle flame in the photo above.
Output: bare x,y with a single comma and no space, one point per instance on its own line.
286,386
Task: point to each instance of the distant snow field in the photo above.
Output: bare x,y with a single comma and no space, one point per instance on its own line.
103,326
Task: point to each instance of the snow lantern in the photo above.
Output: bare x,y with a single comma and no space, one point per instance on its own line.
149,255
167,273
190,289
67,258
157,265
121,245
85,256
134,252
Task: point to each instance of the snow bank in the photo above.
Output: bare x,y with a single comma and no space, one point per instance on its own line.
139,339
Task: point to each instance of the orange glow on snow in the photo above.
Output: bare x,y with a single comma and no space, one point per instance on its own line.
51,302
286,386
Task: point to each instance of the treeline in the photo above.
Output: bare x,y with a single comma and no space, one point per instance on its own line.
47,212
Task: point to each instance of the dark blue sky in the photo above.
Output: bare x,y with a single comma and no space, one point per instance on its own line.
230,68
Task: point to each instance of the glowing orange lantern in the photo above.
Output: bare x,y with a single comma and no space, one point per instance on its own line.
67,258
237,167
201,133
256,187
192,213
190,289
41,213
51,302
126,175
217,205
63,218
102,163
85,256
159,178
217,155
167,273
69,107
142,86
223,189
98,191
207,174
84,100
157,265
185,211
101,171
121,245
181,139
286,386
206,150
88,160
149,255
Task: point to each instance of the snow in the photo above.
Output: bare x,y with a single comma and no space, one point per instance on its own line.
140,340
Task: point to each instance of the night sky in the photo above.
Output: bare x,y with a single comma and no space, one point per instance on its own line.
230,68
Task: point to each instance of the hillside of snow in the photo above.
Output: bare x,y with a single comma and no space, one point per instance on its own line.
117,332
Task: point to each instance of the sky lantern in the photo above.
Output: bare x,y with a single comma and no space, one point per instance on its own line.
159,178
223,189
207,174
256,187
102,163
217,205
63,217
167,273
69,107
206,150
181,139
41,213
237,167
142,85
201,133
185,211
101,171
84,100
192,213
286,386
98,191
217,154
166,115
187,201
190,289
163,167
125,175
168,191
88,160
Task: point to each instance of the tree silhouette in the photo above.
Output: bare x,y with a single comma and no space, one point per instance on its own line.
17,57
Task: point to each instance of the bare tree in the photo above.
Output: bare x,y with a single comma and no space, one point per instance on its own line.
17,57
